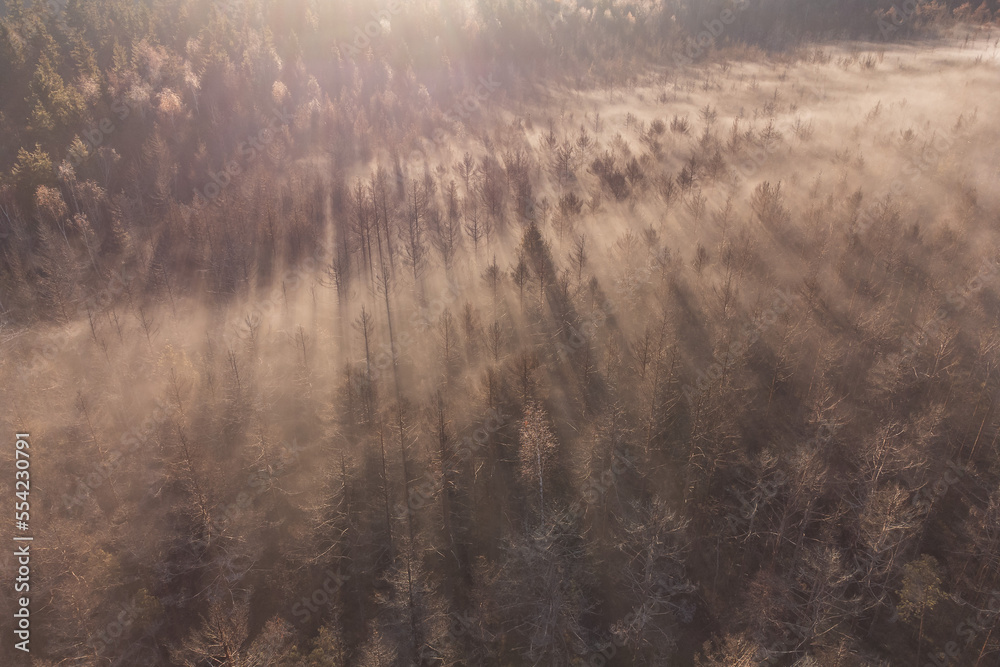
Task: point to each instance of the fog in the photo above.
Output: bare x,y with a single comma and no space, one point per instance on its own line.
503,386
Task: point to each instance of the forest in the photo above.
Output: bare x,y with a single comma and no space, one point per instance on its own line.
500,332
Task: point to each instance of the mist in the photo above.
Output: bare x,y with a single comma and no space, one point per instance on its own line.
441,333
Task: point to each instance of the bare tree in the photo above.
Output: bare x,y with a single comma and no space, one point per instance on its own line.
538,447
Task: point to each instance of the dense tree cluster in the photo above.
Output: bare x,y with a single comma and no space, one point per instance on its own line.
337,353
